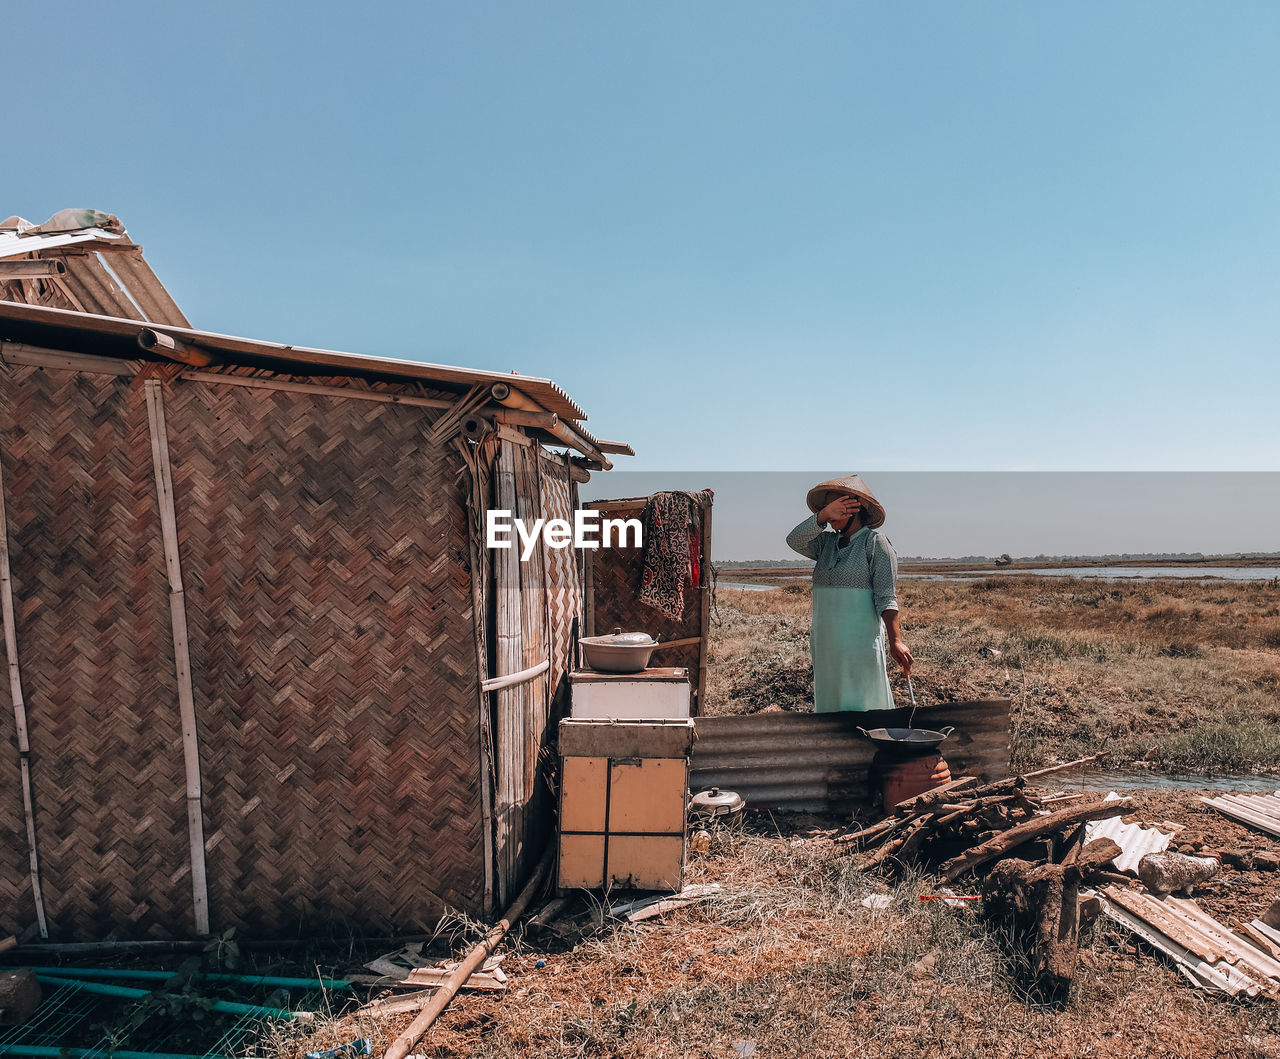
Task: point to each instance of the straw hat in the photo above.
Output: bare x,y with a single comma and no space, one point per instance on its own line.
851,485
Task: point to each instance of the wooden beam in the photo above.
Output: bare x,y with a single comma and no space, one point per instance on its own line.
181,650
314,388
19,712
615,448
517,417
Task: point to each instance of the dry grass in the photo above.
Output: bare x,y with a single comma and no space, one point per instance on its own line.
790,959
1181,676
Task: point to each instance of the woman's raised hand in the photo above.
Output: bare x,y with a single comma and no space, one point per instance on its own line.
840,509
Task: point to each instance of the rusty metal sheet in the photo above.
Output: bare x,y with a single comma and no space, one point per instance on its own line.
1261,811
1207,953
808,762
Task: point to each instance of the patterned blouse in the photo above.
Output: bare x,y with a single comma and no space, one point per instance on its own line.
867,561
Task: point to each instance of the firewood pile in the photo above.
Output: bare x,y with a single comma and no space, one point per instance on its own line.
1036,835
961,826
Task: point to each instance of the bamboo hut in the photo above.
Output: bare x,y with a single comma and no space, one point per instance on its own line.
263,671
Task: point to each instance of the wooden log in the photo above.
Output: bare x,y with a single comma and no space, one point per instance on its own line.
1040,905
403,1044
924,802
1033,828
903,842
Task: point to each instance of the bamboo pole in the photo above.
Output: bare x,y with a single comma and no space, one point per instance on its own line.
562,431
19,712
1061,768
31,268
403,1044
40,357
168,346
704,609
475,461
512,679
509,751
181,651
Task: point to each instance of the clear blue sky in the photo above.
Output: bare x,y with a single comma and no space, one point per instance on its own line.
850,236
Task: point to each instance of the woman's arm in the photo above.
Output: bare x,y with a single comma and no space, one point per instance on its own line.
897,645
806,537
884,575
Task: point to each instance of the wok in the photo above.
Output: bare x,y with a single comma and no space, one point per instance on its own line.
908,738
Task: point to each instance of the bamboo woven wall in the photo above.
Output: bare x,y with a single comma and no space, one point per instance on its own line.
614,578
324,549
96,656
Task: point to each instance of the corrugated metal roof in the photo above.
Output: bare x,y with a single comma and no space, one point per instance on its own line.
545,392
809,762
1257,810
1206,952
1134,840
105,272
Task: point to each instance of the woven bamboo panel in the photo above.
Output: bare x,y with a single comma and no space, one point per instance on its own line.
95,645
325,552
564,583
616,577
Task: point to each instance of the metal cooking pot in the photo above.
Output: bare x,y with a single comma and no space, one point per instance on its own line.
619,652
908,738
713,803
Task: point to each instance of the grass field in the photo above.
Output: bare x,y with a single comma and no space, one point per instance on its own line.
1177,675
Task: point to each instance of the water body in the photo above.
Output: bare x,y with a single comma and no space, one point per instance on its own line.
1116,780
1116,573
746,588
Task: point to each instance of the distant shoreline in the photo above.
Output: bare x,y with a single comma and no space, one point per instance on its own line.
955,566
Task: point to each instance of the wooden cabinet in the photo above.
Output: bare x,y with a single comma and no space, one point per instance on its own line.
623,798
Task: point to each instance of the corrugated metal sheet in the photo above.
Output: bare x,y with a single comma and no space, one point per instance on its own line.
821,763
1206,952
1257,810
1135,840
274,354
106,273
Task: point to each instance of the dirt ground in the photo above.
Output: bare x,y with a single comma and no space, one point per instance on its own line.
786,960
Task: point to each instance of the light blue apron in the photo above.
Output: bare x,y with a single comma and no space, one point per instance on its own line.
847,642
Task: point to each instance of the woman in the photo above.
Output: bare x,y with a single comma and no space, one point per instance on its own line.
855,612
